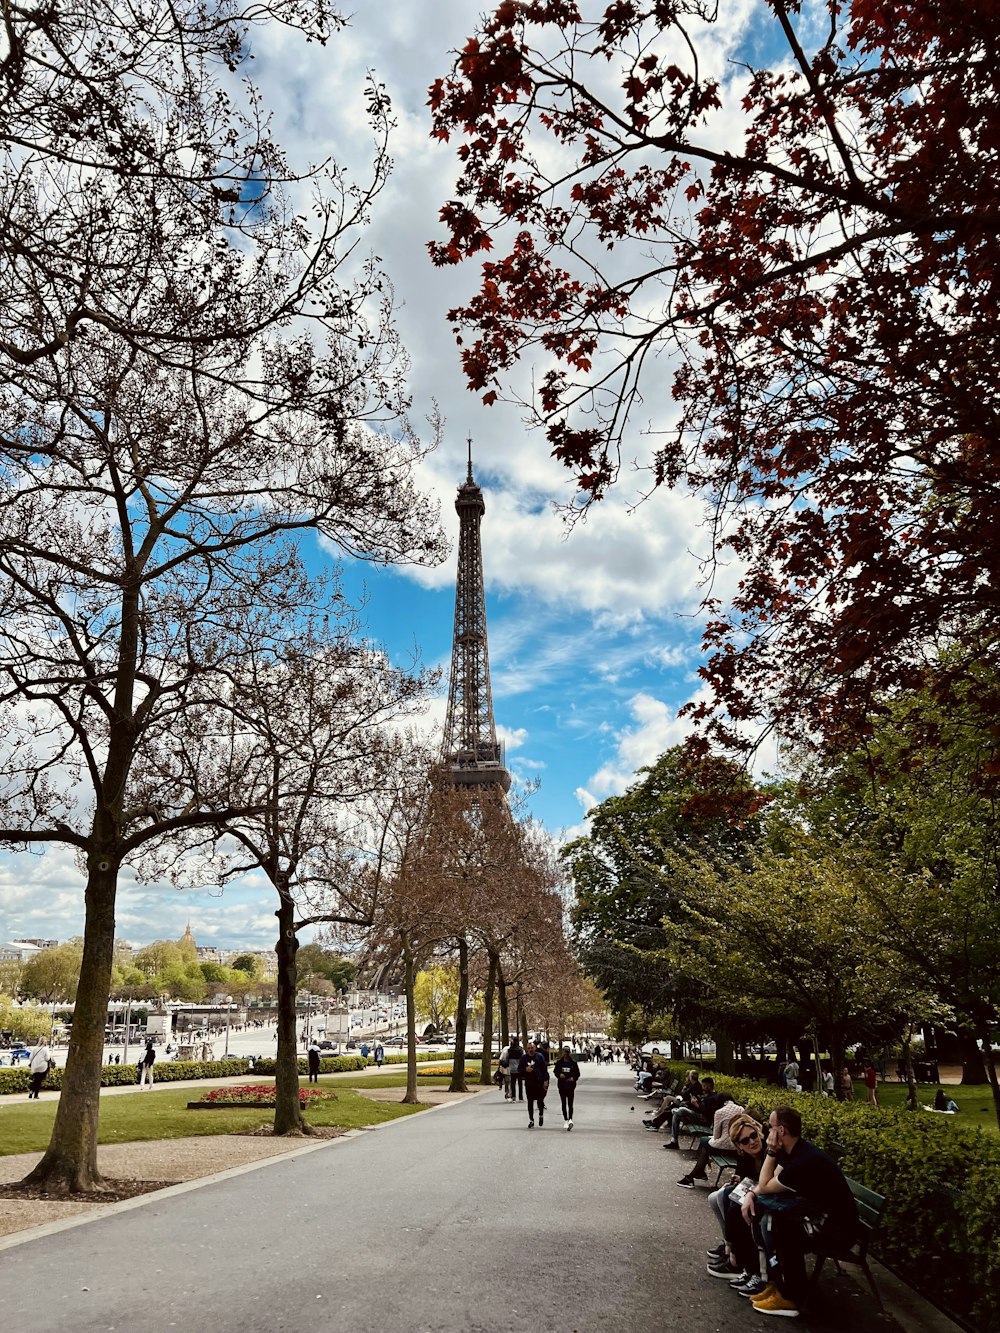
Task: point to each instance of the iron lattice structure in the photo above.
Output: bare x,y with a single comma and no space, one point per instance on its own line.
471,753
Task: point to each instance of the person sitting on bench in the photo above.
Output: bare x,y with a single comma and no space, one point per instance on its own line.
801,1197
719,1141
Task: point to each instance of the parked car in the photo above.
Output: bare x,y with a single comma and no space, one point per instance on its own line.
327,1045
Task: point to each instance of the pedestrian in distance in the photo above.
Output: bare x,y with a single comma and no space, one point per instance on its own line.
379,1055
38,1066
312,1059
146,1066
567,1073
534,1069
870,1077
515,1052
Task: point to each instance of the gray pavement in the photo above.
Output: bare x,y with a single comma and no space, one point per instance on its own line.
459,1220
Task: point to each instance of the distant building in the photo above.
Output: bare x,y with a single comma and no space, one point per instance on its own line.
20,951
41,944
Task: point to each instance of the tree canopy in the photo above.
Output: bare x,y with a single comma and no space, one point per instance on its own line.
789,222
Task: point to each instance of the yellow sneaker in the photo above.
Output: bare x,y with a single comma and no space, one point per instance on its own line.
765,1295
778,1305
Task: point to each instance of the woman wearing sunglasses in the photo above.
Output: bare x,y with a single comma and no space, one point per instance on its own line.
737,1258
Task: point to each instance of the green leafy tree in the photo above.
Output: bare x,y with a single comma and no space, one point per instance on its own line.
623,873
53,974
250,964
435,992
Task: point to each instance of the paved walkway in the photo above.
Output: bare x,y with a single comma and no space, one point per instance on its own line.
460,1220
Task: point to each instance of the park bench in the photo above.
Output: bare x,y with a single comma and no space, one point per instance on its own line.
870,1208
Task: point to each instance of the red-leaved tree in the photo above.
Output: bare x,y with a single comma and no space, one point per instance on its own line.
795,263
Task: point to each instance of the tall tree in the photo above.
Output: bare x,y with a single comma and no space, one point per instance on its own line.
809,244
302,734
190,373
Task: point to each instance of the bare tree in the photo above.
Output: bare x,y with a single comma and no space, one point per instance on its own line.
147,512
309,738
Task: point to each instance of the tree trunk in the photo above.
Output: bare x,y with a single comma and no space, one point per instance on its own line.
991,1069
911,1079
725,1062
410,1097
504,1009
288,1118
522,1020
486,1068
70,1161
973,1065
457,1083
838,1060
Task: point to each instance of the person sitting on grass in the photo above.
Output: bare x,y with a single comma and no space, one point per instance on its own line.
801,1198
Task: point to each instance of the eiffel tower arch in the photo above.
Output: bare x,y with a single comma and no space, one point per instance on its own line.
470,753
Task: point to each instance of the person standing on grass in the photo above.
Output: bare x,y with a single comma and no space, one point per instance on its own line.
38,1067
146,1066
312,1057
567,1073
534,1069
870,1077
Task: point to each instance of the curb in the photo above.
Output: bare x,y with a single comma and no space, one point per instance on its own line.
101,1210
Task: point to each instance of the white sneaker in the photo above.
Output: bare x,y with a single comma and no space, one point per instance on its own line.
569,1124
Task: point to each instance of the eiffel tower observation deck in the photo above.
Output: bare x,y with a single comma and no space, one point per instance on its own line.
471,752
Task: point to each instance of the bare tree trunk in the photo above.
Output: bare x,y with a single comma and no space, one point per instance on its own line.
457,1083
991,1069
504,1009
522,1020
70,1161
486,1068
724,1055
409,976
288,1118
911,1079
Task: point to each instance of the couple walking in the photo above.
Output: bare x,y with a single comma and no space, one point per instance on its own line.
533,1068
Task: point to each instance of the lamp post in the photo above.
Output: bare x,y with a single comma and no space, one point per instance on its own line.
229,1019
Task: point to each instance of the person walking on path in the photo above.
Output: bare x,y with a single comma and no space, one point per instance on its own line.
515,1052
38,1067
146,1066
313,1057
379,1055
534,1069
567,1073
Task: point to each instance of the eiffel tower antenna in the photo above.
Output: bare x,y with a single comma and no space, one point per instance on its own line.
470,751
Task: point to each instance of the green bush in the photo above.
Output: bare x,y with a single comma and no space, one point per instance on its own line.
114,1076
335,1064
941,1180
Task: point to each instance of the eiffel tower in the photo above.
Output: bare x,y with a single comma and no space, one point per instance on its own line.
471,753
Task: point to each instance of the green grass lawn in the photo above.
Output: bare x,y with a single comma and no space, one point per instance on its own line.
975,1103
163,1114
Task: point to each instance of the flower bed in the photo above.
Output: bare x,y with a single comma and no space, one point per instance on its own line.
255,1094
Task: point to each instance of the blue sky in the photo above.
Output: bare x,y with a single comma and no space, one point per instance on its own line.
593,632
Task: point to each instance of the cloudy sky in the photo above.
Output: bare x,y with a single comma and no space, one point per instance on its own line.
593,632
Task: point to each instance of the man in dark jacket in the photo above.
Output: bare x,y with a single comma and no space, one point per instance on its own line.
567,1073
534,1069
803,1194
514,1053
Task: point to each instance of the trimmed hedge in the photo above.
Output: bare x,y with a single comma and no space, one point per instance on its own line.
174,1071
941,1180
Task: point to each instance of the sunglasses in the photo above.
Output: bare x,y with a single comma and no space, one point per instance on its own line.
752,1137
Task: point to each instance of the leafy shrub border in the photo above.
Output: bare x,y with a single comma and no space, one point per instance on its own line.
176,1071
941,1242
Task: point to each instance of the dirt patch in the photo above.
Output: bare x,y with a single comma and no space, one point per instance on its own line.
132,1168
113,1192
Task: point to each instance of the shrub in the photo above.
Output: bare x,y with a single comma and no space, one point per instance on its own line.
254,1093
941,1181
